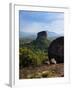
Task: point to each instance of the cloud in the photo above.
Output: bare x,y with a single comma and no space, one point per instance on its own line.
39,21
56,26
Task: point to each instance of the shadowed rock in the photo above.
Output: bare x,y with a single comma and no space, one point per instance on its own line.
56,50
41,41
42,35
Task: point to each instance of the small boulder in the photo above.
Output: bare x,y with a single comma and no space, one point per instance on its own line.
53,61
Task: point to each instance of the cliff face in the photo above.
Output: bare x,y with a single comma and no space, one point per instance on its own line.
41,41
42,35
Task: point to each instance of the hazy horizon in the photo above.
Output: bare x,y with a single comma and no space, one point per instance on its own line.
35,21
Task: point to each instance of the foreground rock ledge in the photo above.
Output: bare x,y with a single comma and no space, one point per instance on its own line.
44,71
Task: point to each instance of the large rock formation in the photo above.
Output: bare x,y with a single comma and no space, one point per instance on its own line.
56,50
41,41
42,35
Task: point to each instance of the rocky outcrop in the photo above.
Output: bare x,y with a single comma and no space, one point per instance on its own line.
56,50
42,35
41,41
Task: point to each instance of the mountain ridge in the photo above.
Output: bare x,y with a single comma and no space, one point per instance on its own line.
34,35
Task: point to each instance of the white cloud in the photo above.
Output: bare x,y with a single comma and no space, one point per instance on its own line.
56,26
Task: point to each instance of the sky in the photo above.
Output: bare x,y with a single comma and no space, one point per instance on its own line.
36,21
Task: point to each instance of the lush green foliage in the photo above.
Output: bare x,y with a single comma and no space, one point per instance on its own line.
29,57
33,52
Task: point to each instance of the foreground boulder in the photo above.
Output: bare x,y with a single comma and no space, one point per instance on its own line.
56,50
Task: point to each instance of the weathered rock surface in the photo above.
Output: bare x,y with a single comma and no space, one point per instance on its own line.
42,35
41,41
47,71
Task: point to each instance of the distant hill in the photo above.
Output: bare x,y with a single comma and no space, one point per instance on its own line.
27,35
41,42
33,35
52,34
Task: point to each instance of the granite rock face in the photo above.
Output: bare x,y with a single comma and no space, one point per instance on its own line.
42,35
56,50
41,41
